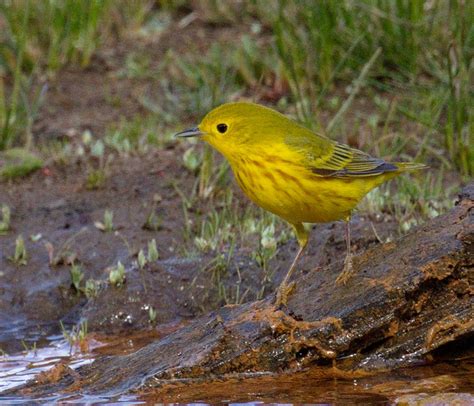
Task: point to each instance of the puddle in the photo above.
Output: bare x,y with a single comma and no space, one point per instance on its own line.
453,379
56,353
17,369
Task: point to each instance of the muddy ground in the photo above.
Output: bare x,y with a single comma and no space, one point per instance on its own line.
56,204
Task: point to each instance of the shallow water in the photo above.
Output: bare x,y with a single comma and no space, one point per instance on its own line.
442,378
311,387
19,368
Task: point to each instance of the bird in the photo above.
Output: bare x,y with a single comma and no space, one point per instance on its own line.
293,172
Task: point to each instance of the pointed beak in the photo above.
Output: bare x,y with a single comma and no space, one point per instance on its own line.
190,132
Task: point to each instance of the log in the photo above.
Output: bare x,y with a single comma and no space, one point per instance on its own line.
406,299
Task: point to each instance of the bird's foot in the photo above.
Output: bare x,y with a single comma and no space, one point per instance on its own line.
283,292
347,271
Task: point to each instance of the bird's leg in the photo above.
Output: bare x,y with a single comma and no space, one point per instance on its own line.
347,270
285,289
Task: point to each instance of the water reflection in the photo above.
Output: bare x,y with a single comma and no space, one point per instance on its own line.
444,379
17,369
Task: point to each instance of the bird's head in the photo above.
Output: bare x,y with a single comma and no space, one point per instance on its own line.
235,128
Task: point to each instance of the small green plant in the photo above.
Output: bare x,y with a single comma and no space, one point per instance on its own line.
77,337
211,176
219,268
91,288
28,348
72,34
152,251
152,222
108,224
36,237
5,219
65,254
141,259
95,179
192,159
206,80
109,220
20,256
97,148
227,293
216,229
98,162
267,248
136,66
417,199
152,315
135,136
117,275
77,275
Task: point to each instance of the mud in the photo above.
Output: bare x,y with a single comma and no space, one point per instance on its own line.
58,209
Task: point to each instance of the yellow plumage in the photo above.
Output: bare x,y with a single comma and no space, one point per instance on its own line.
291,171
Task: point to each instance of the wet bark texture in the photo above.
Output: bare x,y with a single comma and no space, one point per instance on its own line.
406,299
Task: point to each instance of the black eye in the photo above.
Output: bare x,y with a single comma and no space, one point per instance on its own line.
222,128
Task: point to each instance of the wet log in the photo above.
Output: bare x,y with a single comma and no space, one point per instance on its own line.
406,299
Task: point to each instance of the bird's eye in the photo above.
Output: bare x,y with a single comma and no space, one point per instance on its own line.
222,128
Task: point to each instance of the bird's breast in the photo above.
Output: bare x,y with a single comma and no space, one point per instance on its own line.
291,191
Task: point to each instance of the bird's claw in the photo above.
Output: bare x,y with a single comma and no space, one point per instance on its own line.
283,292
347,271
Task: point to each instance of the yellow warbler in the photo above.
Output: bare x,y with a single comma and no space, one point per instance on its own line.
291,171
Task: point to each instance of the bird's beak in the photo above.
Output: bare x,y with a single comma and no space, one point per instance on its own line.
190,132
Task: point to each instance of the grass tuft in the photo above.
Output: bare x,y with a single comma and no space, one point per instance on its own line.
17,162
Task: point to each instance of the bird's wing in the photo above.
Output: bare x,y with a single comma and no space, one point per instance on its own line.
328,158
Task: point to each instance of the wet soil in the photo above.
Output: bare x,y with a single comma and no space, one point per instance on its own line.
57,206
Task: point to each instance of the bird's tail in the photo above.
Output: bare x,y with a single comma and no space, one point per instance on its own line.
409,166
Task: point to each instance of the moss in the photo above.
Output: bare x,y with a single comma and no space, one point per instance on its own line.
17,162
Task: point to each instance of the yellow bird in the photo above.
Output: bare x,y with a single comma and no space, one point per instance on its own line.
289,170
